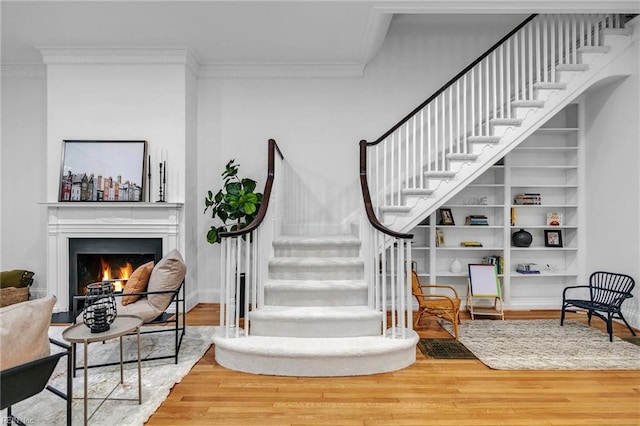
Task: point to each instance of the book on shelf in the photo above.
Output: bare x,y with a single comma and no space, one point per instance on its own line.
476,219
439,237
555,219
528,198
527,268
495,260
470,244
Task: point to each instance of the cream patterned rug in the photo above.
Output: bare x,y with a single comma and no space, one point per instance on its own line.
158,377
545,345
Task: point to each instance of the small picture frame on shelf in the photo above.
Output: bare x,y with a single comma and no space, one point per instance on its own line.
552,238
446,217
555,219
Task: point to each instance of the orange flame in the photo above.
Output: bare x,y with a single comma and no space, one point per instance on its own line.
124,272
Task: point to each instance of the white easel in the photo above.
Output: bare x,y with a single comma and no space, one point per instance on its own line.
484,284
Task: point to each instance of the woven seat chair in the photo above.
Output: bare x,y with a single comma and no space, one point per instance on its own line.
607,292
433,302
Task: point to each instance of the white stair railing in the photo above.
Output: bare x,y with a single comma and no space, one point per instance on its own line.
387,270
428,144
245,253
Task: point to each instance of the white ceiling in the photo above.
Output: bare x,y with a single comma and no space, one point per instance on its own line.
222,32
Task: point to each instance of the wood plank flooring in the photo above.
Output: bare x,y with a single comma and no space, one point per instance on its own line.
430,392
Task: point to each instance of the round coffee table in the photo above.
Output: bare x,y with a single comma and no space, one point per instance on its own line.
122,325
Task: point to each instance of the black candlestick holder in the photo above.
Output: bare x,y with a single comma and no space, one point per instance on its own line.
162,191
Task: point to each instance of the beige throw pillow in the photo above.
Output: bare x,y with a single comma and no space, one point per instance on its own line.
166,275
137,282
24,331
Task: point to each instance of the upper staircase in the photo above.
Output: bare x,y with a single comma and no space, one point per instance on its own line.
487,110
342,305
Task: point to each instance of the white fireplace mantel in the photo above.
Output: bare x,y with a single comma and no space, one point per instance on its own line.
102,220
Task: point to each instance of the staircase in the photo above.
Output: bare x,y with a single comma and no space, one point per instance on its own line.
341,305
316,319
488,109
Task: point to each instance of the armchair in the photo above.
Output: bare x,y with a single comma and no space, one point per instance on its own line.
444,306
607,292
165,287
26,361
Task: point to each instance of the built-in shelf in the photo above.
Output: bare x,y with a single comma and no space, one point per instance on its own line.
548,163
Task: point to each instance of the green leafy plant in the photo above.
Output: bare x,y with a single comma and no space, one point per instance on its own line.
237,202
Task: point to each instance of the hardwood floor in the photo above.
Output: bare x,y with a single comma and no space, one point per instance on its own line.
430,392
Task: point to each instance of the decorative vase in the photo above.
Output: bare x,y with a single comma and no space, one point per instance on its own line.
521,238
456,266
100,311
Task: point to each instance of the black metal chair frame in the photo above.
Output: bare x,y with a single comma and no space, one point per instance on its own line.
178,319
26,380
607,292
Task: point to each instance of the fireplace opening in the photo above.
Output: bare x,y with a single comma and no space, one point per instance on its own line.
98,259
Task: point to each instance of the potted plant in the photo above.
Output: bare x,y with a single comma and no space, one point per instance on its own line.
236,202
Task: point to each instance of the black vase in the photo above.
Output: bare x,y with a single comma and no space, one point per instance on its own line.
521,238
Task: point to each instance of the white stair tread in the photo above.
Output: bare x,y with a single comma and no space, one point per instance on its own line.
528,104
315,262
311,241
395,209
314,313
315,347
417,191
315,285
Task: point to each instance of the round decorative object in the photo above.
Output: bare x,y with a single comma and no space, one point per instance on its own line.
456,266
521,238
100,311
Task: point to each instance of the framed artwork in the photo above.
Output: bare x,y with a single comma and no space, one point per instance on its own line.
552,238
555,219
99,170
446,217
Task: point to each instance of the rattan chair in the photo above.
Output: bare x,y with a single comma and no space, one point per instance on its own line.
433,302
607,292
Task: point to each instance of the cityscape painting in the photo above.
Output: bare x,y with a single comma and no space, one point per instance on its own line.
102,171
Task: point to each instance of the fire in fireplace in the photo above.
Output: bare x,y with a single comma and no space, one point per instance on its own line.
114,259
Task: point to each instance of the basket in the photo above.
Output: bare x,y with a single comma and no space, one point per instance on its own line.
11,295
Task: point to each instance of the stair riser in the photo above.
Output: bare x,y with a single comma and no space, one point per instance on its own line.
316,298
566,76
524,112
318,327
310,252
325,272
313,366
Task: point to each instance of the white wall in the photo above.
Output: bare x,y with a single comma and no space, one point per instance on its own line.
613,180
23,171
119,102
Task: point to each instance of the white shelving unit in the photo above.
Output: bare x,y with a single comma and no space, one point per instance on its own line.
549,162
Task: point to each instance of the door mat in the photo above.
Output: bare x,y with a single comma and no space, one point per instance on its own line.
632,339
444,349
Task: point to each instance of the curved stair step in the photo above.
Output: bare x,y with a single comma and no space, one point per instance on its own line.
311,357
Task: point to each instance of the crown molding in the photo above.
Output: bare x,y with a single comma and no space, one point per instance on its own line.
119,56
508,6
230,71
375,33
23,71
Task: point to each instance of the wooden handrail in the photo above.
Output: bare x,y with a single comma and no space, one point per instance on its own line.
266,195
366,196
453,80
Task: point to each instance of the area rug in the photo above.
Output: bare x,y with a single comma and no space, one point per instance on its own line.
444,349
158,377
545,345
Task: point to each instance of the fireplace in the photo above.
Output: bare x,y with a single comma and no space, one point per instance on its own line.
98,259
